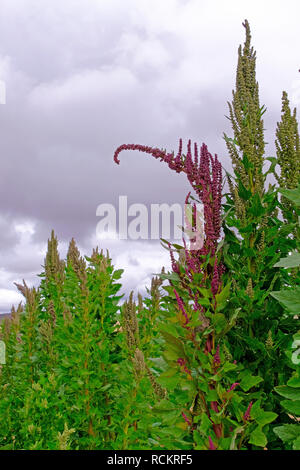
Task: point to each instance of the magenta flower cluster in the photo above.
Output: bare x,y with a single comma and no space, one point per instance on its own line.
204,173
205,177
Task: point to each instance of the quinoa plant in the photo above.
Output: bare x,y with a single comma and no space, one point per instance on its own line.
288,157
203,408
255,234
142,390
60,385
289,297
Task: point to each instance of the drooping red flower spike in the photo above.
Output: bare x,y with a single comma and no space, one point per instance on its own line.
205,177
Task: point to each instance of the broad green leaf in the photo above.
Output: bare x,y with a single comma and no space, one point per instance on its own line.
172,341
203,301
258,438
266,417
249,381
204,292
296,444
292,406
291,261
256,207
205,424
288,432
228,366
261,416
219,321
169,382
243,192
247,229
164,406
170,355
292,194
294,381
288,392
247,163
223,296
170,277
212,396
170,372
118,273
234,316
290,298
197,438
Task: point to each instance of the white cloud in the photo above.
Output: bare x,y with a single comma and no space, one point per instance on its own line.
22,260
8,298
82,88
140,259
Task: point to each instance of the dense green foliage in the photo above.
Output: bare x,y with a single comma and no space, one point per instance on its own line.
209,358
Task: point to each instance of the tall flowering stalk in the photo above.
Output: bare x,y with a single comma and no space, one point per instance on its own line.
194,328
288,158
247,148
205,177
255,235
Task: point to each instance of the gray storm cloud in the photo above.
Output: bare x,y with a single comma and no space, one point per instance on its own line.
84,77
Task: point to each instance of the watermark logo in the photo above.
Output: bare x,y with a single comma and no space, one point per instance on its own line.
296,354
162,221
2,352
2,92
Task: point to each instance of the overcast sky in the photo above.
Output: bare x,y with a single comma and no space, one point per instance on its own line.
83,77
